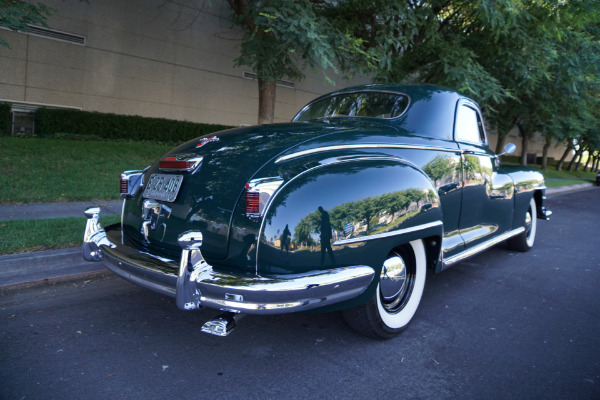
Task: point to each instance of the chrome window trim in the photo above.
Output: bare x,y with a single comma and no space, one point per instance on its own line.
361,146
388,234
480,122
353,92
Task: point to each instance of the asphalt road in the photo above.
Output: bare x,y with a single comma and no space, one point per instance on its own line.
501,325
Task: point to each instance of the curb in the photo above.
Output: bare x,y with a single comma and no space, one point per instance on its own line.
569,188
24,270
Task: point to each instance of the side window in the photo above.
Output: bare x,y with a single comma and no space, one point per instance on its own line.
468,126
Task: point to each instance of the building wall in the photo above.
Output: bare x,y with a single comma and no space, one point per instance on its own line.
144,57
535,146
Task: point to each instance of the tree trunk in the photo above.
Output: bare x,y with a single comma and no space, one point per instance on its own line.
545,153
587,163
502,137
500,143
563,158
578,164
524,144
266,102
575,157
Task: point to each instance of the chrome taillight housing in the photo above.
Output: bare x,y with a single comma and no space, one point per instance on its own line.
180,162
131,181
258,194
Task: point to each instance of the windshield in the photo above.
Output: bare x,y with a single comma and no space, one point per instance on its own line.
356,104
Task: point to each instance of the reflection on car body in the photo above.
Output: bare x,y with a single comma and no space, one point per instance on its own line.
344,208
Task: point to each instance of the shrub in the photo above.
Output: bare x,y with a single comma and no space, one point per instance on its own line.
5,121
50,122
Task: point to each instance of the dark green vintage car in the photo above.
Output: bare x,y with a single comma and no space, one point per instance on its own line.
344,208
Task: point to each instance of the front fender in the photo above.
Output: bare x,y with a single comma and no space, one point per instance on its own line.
351,212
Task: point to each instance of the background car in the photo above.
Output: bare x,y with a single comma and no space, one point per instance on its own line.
344,208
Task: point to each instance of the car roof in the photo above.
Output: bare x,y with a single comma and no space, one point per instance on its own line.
430,112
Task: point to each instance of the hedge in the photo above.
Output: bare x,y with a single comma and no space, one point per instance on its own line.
50,122
5,121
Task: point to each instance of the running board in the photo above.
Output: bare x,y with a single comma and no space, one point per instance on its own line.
480,247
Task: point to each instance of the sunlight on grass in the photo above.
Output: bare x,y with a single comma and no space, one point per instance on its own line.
49,170
21,236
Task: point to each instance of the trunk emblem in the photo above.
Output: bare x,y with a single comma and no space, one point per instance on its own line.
203,141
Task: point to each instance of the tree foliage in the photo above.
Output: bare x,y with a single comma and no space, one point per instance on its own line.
282,38
16,15
530,63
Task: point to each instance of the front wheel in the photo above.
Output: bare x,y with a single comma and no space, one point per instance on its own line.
398,294
525,240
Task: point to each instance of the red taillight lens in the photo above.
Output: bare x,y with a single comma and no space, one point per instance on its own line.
258,194
124,185
179,163
252,203
173,163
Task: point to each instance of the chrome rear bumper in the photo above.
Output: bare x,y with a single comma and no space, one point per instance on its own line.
194,283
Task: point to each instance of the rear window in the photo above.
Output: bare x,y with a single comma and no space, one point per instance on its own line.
356,104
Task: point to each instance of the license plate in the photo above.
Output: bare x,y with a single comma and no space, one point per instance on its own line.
163,187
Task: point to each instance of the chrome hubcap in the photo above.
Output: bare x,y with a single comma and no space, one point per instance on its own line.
393,277
395,283
528,222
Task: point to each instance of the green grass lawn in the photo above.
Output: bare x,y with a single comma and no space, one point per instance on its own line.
20,236
50,170
563,177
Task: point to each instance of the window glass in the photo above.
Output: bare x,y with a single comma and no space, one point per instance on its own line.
361,104
467,127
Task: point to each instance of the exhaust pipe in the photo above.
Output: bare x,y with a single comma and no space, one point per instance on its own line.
222,324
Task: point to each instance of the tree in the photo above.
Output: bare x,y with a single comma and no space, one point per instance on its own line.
16,15
529,63
426,41
281,37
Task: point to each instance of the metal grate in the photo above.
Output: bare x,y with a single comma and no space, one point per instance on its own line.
287,84
53,34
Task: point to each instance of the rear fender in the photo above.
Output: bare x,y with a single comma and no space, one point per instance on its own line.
350,212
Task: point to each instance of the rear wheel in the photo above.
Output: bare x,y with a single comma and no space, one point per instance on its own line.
525,240
399,292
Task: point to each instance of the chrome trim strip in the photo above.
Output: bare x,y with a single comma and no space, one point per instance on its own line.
361,146
480,247
388,234
343,92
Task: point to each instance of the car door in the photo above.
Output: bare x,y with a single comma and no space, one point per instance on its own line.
487,193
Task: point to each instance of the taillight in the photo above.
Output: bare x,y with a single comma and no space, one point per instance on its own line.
131,181
181,162
258,195
252,203
124,184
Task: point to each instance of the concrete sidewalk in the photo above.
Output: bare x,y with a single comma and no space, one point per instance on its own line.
30,269
56,210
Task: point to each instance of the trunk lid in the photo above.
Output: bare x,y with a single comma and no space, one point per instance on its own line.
208,195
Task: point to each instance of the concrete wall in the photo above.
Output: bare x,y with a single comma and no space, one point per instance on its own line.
536,144
144,57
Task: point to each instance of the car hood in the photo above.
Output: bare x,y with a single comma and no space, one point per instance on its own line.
208,196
